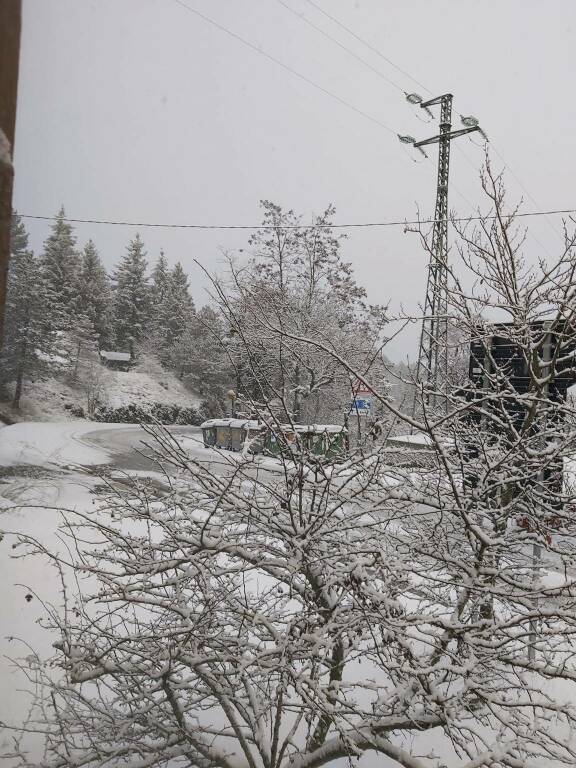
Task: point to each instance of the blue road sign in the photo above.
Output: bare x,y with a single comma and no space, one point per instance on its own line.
361,406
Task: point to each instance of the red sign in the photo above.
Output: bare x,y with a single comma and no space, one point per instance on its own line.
359,388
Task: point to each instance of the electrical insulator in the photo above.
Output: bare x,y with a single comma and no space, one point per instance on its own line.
469,121
413,98
410,140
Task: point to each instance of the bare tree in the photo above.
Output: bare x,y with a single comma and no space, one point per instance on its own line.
296,281
318,609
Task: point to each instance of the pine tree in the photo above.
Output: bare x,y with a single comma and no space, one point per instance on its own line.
28,343
158,291
60,269
198,357
160,281
18,235
84,345
131,297
174,313
94,299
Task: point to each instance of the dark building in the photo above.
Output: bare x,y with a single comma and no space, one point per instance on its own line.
499,364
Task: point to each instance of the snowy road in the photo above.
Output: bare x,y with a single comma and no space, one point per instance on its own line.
129,446
75,446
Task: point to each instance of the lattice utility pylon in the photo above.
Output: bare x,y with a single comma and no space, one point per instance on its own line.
432,372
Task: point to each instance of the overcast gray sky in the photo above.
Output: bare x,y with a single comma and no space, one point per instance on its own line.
139,110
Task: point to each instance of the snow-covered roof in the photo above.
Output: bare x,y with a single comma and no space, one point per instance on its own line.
235,423
124,357
332,428
419,438
252,424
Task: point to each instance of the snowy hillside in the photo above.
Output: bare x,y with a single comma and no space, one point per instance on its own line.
147,382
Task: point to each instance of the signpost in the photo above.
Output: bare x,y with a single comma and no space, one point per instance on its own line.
361,405
361,402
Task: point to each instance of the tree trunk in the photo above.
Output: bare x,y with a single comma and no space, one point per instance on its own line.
20,374
18,390
77,361
296,407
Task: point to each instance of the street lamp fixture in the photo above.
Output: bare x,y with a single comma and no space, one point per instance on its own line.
231,395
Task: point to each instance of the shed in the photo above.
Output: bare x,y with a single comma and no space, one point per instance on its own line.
118,360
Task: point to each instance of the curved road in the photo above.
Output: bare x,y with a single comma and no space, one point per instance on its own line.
130,448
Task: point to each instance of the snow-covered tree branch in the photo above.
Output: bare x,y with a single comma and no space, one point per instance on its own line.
291,612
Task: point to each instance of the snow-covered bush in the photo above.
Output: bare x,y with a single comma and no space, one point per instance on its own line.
154,413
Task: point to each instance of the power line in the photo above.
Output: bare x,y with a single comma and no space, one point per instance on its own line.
421,85
340,45
292,71
334,96
367,64
360,225
370,47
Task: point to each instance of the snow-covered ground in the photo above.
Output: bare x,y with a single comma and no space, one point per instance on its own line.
42,471
30,504
148,382
50,445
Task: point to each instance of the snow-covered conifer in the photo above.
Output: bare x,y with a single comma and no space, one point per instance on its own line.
160,279
173,313
199,357
94,295
28,341
131,297
61,269
83,345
